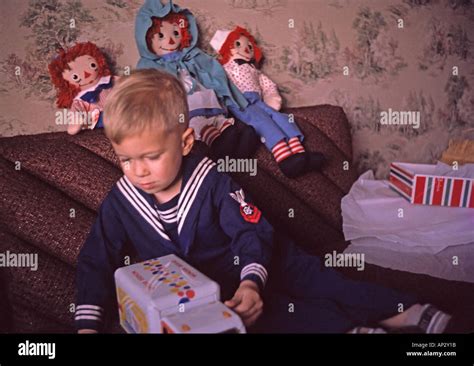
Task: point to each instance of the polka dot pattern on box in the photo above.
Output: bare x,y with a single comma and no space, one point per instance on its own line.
177,283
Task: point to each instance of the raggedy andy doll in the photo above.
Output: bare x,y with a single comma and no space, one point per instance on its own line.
83,80
240,56
166,37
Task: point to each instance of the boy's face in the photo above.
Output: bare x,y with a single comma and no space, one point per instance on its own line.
152,161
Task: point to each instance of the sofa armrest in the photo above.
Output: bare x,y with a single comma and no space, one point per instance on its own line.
331,121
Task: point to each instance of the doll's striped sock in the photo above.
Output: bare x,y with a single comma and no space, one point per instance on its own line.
229,122
209,134
281,151
295,145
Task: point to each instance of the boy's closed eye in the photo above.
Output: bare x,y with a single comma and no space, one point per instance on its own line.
124,160
153,157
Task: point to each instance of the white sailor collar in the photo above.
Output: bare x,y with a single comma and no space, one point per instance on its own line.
144,203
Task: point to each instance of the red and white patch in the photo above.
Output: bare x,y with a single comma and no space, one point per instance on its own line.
249,212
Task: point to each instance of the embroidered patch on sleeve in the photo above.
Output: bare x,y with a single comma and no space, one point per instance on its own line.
249,212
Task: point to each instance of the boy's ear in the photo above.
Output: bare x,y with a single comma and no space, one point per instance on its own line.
187,141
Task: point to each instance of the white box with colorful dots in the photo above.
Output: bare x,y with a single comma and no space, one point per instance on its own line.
167,295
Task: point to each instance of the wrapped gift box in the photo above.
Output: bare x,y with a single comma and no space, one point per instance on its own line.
418,184
168,295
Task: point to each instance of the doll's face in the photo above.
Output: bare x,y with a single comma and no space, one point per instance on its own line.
84,72
167,40
242,49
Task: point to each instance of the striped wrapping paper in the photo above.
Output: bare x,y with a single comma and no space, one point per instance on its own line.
415,183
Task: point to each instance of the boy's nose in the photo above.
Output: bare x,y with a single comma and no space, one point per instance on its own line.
171,41
86,74
139,169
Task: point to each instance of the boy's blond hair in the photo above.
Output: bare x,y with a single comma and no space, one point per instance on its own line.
147,100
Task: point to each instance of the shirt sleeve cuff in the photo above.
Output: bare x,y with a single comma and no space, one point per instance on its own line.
89,317
255,272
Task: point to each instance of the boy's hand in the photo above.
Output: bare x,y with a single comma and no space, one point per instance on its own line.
247,302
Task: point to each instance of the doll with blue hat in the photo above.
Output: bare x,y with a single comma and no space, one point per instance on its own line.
167,37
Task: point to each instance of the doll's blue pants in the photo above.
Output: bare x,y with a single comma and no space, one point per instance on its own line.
270,124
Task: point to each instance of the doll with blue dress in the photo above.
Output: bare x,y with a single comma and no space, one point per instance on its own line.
83,80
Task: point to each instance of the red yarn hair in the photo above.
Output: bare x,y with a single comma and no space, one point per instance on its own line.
173,18
228,45
66,92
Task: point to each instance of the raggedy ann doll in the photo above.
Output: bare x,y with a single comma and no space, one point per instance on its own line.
166,37
240,56
83,80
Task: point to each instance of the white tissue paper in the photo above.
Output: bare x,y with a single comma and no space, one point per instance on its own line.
396,234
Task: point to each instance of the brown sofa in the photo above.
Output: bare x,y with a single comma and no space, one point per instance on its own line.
47,207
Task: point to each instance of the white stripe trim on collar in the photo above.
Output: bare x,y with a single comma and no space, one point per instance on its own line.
187,196
141,205
191,189
169,221
191,179
143,202
167,212
170,217
189,204
183,200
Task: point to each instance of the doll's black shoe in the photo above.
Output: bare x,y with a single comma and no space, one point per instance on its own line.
293,166
225,144
315,161
248,142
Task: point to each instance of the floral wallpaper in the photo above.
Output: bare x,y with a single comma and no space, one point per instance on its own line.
391,58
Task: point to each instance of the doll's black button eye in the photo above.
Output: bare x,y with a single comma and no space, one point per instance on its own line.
237,44
176,33
93,65
75,77
250,46
161,35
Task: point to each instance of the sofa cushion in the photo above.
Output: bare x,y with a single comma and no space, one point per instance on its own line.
41,215
48,290
70,167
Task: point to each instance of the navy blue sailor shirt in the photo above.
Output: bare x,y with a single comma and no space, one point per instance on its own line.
211,224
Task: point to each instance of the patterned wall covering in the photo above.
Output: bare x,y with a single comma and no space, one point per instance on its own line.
351,53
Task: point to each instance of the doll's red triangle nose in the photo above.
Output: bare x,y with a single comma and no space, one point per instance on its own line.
86,74
171,41
247,50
